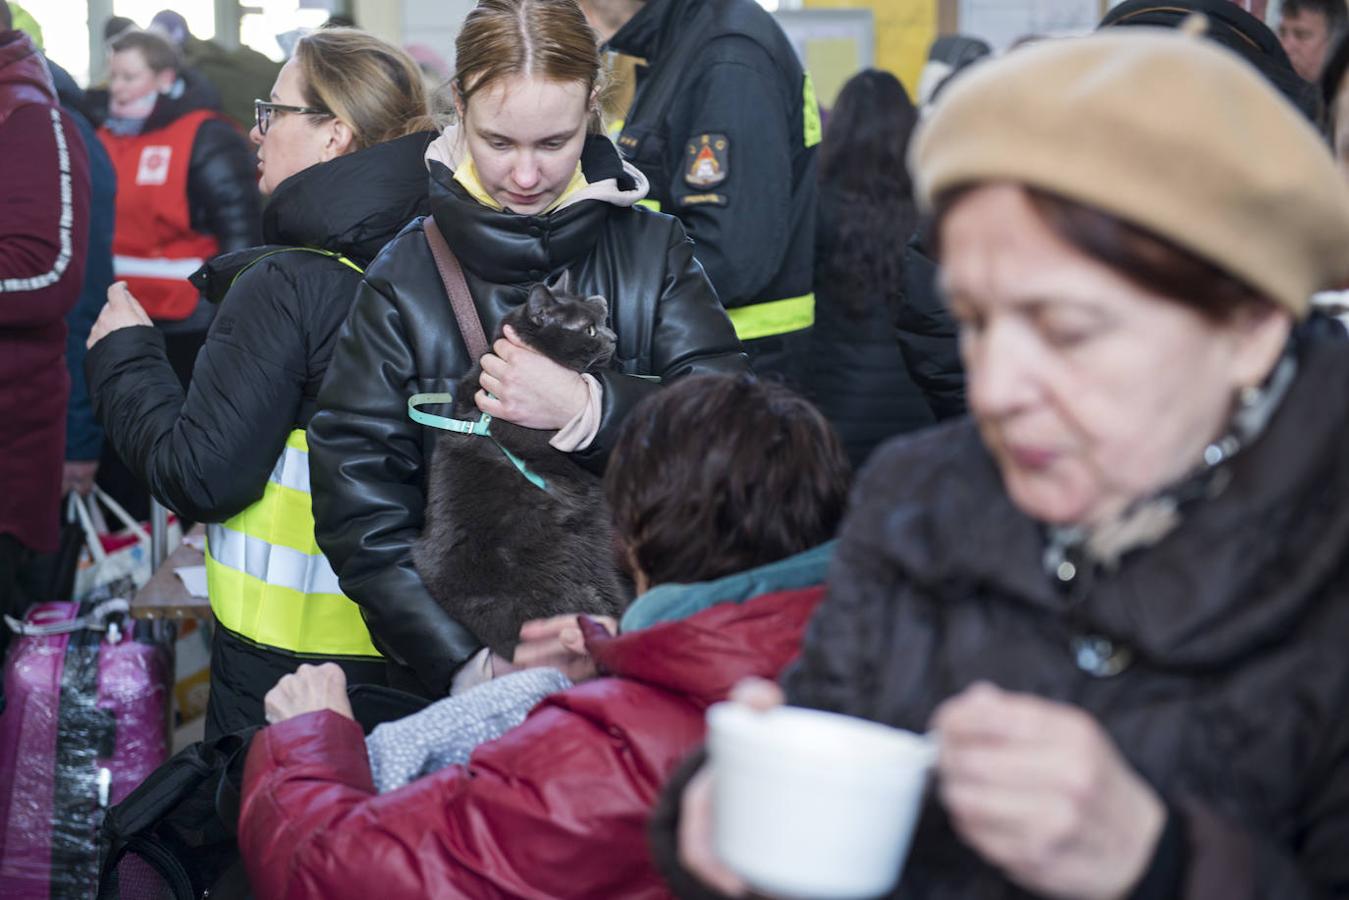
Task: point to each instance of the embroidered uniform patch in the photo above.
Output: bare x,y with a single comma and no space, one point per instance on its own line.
154,165
707,161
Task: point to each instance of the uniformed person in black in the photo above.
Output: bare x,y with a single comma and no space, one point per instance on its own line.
724,125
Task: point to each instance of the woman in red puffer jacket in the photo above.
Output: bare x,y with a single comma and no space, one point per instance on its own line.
558,806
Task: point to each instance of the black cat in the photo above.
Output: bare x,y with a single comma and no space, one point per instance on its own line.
497,550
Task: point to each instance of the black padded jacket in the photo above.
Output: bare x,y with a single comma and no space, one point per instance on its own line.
367,458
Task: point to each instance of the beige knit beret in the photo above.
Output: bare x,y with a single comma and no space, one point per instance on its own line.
1167,131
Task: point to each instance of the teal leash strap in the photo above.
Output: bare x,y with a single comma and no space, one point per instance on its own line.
482,428
444,423
533,478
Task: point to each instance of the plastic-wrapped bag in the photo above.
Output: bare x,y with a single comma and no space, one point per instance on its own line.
87,720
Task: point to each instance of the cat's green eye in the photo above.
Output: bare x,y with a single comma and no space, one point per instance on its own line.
590,331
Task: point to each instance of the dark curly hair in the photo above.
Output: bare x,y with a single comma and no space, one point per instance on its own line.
718,474
868,213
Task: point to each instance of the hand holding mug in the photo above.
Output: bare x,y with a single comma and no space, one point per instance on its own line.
697,848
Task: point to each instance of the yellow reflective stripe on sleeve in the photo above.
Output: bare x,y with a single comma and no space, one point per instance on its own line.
811,112
298,440
760,320
653,205
277,616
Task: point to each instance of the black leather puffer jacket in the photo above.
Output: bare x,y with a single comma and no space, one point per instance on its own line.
367,458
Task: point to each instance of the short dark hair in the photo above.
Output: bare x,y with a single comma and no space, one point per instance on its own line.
159,54
1150,261
717,474
1335,11
115,25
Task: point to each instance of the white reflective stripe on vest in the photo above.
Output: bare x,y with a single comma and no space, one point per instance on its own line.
292,470
141,267
272,563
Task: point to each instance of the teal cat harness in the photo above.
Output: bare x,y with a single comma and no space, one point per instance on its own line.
481,428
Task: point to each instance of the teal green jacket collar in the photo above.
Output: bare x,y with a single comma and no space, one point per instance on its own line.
672,602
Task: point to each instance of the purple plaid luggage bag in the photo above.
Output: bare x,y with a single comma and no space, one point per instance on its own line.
88,698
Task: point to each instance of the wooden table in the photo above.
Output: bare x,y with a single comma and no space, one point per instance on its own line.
165,596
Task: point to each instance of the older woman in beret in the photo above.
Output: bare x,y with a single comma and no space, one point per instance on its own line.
1120,594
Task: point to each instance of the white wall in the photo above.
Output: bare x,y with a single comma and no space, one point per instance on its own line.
434,23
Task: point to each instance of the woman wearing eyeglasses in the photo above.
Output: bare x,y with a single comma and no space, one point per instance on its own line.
340,145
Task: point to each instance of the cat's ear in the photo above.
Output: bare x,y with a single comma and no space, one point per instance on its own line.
599,301
561,284
540,298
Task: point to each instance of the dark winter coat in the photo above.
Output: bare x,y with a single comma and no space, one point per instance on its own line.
928,336
557,807
1234,705
741,81
367,458
84,436
44,235
222,178
857,375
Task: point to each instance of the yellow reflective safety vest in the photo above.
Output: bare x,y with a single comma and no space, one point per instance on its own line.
268,580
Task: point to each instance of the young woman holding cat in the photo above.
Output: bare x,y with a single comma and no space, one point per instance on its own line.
338,144
732,559
523,188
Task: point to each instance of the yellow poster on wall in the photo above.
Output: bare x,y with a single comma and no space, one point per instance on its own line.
831,62
905,30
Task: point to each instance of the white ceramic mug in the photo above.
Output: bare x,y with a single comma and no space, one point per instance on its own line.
810,804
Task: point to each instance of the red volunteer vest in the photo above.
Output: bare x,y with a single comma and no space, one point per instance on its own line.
154,247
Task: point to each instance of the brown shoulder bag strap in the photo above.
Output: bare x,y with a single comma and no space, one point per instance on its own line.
470,326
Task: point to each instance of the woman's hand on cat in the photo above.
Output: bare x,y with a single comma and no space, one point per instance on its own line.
308,689
527,388
558,643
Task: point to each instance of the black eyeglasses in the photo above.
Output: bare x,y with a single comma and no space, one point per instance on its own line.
263,111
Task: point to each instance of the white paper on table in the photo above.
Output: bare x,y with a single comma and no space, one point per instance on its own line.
196,542
194,579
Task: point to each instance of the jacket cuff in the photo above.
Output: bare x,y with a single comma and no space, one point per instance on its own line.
1164,878
580,432
119,346
320,737
619,394
476,670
